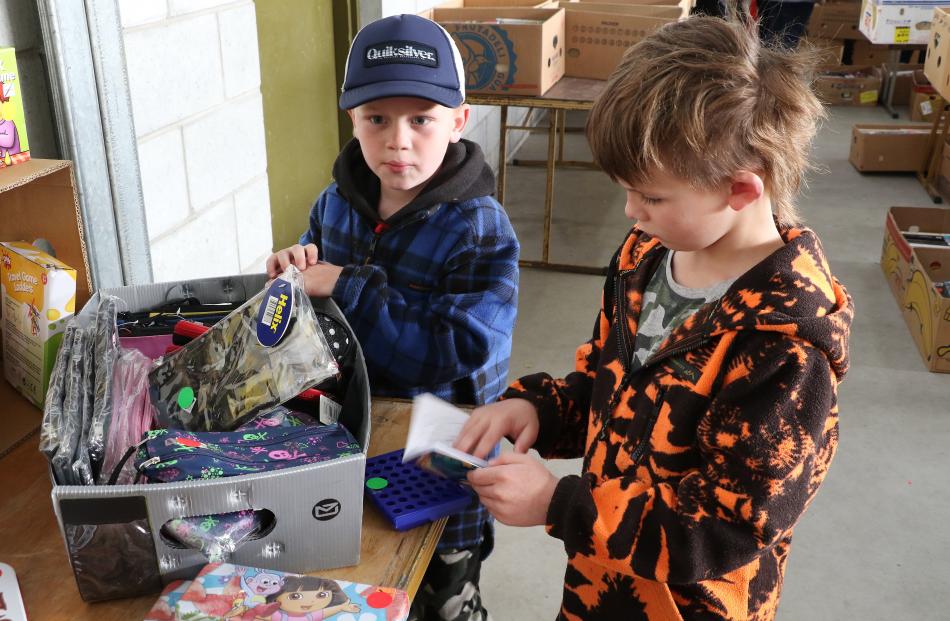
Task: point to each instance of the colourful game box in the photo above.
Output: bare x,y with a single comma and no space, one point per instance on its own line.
14,145
226,591
38,296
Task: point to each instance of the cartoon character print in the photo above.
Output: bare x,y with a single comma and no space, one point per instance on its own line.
256,589
34,315
306,598
214,605
698,465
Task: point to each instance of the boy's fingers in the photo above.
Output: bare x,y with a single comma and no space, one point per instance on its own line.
486,444
312,254
522,442
283,259
300,257
271,266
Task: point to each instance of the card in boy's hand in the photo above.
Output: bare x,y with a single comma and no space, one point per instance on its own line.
434,426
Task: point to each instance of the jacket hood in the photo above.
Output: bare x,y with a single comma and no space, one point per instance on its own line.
792,292
464,175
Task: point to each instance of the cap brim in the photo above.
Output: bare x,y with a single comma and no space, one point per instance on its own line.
448,97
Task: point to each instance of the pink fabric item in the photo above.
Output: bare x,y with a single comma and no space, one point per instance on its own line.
152,346
132,412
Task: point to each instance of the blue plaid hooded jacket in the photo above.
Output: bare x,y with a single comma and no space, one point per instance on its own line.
432,292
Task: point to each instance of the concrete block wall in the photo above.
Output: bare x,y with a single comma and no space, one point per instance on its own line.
194,80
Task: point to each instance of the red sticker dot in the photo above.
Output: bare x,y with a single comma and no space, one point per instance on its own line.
379,599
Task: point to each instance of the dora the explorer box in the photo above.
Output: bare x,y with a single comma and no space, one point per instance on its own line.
14,145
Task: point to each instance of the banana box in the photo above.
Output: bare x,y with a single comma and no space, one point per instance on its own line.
38,296
915,259
926,305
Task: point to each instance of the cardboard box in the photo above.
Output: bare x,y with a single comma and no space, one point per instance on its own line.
597,35
849,86
835,21
831,50
684,5
943,176
317,508
889,147
923,98
38,296
38,200
903,77
481,4
937,63
865,53
507,51
926,305
883,22
14,143
914,272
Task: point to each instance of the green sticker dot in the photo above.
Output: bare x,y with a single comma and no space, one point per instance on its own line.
186,397
377,483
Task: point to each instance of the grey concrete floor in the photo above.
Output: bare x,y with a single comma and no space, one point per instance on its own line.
874,545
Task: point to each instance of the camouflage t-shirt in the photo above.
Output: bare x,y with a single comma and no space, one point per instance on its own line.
667,304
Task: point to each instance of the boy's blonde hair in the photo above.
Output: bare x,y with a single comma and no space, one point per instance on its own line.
702,99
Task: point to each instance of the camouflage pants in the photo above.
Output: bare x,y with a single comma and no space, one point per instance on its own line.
449,590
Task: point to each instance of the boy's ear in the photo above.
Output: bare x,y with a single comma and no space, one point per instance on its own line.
352,120
459,121
745,188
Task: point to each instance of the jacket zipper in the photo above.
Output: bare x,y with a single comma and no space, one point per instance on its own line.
638,452
378,230
384,227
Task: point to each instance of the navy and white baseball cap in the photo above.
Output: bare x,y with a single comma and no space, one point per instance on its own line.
403,56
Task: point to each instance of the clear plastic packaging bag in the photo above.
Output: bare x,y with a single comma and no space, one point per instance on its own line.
215,536
82,465
132,413
78,406
52,428
226,376
106,353
69,429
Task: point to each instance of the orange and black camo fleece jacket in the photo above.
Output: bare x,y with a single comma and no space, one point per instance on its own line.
698,465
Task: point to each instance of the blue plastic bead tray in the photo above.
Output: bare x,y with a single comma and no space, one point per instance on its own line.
412,496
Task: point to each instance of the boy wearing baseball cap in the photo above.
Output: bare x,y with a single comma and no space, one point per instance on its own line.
421,259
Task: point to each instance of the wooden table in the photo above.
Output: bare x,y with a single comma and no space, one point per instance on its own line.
30,540
567,94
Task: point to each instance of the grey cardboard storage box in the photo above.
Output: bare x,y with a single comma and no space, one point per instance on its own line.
112,532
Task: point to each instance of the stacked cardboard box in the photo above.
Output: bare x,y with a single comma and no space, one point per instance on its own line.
923,97
831,50
835,20
915,258
598,33
937,65
898,21
902,76
880,147
517,51
849,86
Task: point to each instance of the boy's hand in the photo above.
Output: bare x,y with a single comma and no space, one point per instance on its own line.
517,418
516,489
300,256
320,279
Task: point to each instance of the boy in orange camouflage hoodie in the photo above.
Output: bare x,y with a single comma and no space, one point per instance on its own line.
705,403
